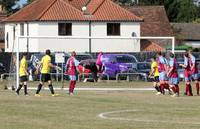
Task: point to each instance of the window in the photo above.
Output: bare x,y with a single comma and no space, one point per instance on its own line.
64,29
22,29
113,29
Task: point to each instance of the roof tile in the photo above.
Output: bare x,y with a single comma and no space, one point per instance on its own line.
101,10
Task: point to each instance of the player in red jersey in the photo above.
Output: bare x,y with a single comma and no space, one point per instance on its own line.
162,68
194,70
173,75
187,74
71,69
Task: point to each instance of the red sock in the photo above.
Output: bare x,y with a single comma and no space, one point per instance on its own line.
70,86
190,90
174,89
73,86
186,89
197,88
162,86
177,89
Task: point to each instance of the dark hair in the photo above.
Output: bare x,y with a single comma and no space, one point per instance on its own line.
48,52
25,54
73,53
171,55
159,53
186,54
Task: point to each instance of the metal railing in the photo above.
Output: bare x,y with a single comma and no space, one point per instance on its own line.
83,75
130,74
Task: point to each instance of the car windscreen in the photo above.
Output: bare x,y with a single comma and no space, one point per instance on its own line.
125,59
143,66
83,57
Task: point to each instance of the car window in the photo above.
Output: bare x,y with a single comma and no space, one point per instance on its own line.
144,66
125,59
83,57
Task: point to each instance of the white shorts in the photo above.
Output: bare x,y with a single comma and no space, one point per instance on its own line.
72,77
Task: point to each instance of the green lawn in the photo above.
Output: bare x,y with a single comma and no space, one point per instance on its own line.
81,111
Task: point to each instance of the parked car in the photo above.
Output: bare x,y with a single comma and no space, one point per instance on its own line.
83,56
118,63
143,68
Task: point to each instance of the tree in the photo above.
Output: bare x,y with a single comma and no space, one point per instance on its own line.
187,11
10,6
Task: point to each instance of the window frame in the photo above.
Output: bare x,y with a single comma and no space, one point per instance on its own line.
66,31
115,31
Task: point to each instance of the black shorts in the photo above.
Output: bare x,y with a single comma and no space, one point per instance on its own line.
23,78
156,79
46,77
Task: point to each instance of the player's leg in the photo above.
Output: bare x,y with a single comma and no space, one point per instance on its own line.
162,82
188,87
51,87
25,88
19,88
195,77
43,79
72,84
156,85
175,87
20,84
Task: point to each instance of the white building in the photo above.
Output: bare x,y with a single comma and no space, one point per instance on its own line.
69,18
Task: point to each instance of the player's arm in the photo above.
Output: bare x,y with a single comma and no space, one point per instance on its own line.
152,71
54,67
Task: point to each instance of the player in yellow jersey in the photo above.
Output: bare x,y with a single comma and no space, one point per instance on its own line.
46,66
23,73
155,73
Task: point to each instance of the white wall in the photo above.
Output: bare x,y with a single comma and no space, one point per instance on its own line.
51,29
79,45
115,45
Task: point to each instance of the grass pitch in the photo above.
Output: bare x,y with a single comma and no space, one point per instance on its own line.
81,111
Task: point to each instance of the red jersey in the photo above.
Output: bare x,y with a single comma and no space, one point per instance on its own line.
192,61
173,65
71,68
187,72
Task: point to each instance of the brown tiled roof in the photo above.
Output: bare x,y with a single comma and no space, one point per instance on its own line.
155,23
53,10
189,31
147,45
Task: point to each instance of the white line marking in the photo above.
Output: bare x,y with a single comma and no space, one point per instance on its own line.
97,89
104,115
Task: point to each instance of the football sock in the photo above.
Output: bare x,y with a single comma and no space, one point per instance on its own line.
25,90
162,86
197,88
39,88
190,90
177,89
186,89
70,86
174,89
19,88
157,88
51,89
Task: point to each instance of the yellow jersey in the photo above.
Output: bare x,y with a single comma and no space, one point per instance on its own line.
154,65
46,60
23,67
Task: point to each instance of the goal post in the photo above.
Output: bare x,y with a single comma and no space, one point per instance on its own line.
80,37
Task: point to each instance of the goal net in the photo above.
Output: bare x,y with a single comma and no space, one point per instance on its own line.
140,46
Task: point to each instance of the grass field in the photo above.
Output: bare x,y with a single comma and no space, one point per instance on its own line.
146,110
